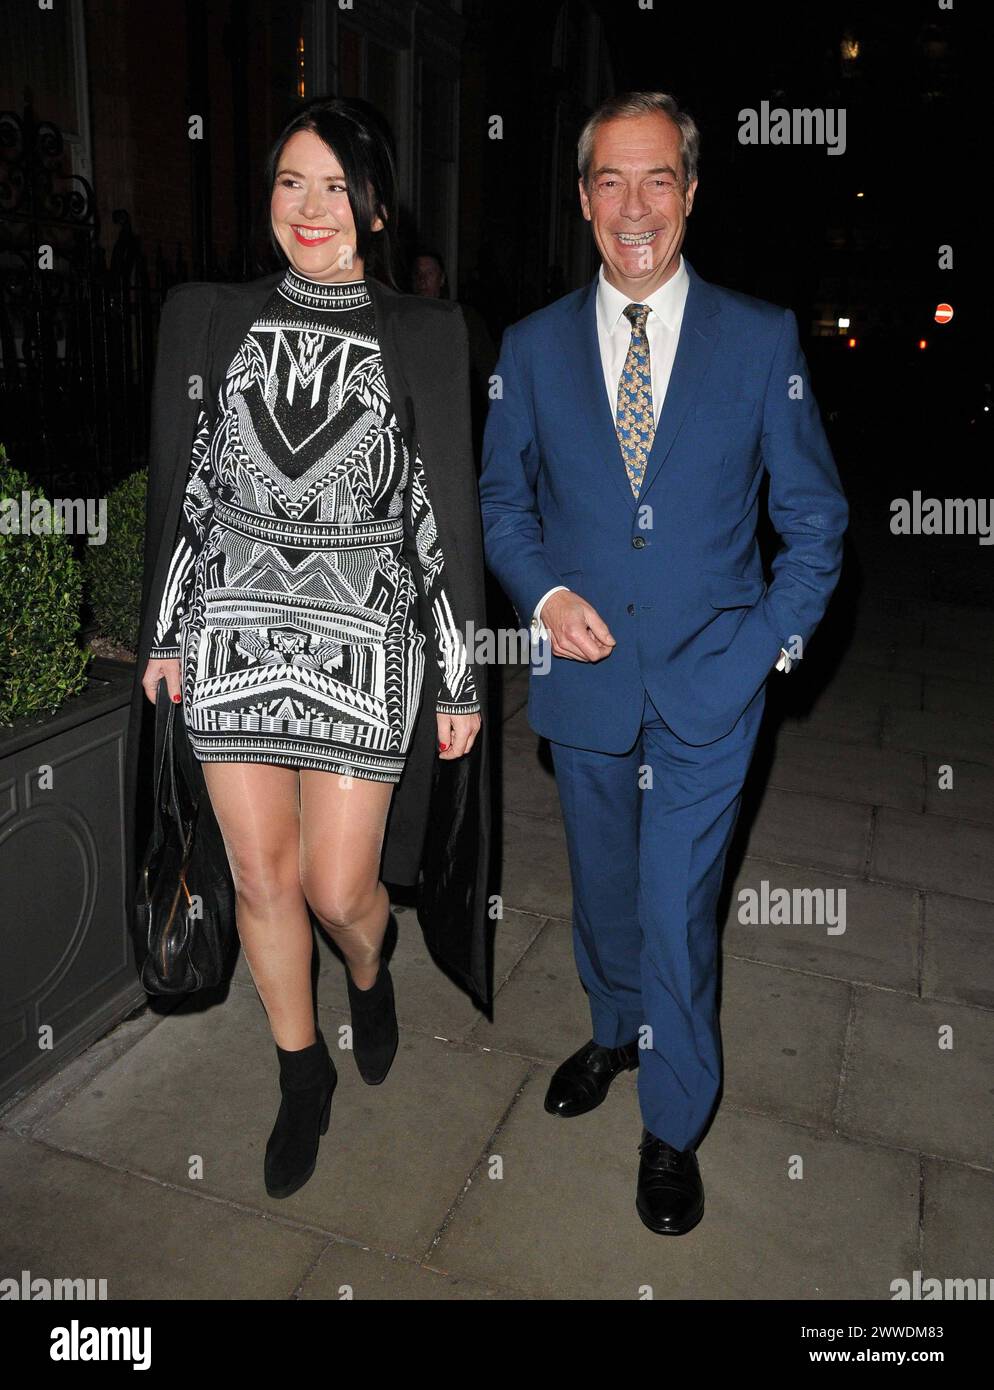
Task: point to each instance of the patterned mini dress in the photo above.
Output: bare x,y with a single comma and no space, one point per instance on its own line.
288,600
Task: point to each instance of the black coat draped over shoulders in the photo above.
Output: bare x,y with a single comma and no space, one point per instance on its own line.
440,814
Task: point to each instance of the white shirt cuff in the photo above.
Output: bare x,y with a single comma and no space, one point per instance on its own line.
538,627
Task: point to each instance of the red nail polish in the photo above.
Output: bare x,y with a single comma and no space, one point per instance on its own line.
443,746
176,699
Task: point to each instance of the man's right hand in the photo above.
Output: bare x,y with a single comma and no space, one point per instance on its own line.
154,672
576,628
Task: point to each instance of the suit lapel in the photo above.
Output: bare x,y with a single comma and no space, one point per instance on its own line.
695,347
581,351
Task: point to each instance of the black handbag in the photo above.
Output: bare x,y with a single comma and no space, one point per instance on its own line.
184,930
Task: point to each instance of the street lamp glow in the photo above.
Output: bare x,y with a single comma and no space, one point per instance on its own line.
843,323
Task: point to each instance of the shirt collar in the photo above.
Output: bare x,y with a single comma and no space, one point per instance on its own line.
667,301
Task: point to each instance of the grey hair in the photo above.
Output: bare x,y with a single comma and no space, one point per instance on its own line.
640,104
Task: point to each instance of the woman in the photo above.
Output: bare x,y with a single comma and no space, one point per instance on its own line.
320,558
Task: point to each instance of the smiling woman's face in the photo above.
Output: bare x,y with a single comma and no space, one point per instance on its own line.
311,213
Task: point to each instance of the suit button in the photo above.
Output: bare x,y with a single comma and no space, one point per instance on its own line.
638,542
631,609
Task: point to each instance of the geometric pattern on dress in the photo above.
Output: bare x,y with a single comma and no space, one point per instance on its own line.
289,600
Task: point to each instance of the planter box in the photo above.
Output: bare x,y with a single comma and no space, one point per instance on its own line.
67,971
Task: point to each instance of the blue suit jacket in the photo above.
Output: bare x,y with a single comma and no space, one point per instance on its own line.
676,574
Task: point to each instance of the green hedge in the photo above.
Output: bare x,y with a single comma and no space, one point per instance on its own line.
41,588
114,570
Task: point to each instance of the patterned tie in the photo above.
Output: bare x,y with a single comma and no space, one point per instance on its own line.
633,420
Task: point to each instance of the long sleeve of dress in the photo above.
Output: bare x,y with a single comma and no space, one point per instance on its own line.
457,694
198,504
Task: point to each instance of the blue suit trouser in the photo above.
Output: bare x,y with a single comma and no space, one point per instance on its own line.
648,833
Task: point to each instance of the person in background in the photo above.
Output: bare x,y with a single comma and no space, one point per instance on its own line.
429,279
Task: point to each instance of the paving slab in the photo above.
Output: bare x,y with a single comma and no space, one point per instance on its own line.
953,737
516,729
944,696
73,1218
561,1221
880,943
870,776
839,722
783,1037
968,629
351,1272
528,781
535,868
958,961
206,1084
971,796
948,661
816,831
873,686
21,1113
958,1218
935,852
901,1088
543,1007
869,648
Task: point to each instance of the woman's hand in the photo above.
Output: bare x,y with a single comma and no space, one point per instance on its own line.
456,733
155,670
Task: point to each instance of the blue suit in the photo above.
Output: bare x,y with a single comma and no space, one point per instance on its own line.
676,575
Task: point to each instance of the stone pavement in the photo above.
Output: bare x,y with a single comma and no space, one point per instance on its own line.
450,1182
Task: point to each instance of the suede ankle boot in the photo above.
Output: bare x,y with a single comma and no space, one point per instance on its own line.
374,1025
307,1082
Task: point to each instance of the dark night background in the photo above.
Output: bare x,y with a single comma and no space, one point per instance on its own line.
95,161
119,78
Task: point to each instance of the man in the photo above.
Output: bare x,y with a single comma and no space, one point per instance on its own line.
622,466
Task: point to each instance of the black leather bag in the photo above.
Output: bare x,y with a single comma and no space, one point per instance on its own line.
184,929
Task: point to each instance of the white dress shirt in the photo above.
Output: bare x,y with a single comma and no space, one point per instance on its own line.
614,338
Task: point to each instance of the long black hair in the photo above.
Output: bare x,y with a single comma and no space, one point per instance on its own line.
361,138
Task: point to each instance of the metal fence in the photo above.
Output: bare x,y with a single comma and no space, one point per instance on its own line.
77,335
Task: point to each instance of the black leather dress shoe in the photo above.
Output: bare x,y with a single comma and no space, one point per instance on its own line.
582,1082
670,1196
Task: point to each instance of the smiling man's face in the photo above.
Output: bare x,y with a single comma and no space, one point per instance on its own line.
637,203
311,212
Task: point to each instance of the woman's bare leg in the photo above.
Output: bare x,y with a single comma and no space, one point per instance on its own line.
342,821
258,812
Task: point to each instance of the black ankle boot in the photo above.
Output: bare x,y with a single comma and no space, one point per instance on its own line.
307,1082
374,1026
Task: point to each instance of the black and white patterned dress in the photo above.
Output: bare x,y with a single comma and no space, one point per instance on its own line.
288,600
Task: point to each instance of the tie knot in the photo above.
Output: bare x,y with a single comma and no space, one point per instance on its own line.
636,314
